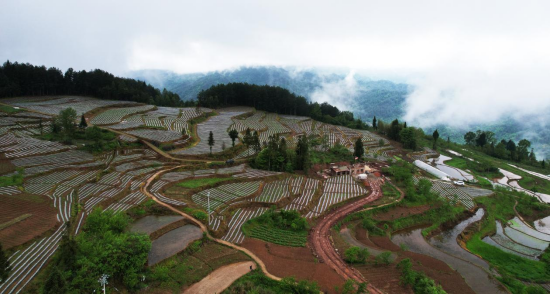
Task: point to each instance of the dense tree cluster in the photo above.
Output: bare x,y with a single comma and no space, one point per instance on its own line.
275,99
488,143
104,247
24,79
399,132
5,267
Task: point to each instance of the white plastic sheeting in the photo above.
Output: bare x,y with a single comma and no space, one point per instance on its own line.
432,170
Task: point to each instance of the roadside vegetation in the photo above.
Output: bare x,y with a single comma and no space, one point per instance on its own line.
257,282
103,247
285,227
198,260
419,282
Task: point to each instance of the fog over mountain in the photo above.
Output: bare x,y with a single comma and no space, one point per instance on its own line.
430,102
462,63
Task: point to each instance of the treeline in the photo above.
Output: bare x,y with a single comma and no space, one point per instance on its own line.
400,132
275,99
509,150
24,79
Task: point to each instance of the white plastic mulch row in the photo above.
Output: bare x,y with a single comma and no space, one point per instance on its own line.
255,173
274,191
115,115
234,234
307,195
168,200
218,125
26,264
156,135
224,194
27,146
336,190
128,202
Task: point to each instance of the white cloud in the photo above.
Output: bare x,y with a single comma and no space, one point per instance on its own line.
469,60
339,93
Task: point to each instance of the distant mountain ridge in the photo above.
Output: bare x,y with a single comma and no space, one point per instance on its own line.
384,98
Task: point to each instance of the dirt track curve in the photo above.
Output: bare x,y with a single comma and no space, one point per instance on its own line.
319,238
202,226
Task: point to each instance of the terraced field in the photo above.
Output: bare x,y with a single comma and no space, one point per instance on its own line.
219,126
234,234
336,190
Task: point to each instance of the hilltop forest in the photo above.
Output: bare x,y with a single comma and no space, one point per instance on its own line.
24,79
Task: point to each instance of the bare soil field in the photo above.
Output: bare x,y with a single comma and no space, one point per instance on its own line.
385,278
43,218
399,212
293,261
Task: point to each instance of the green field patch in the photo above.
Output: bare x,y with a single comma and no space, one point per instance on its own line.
278,236
286,228
13,180
9,109
200,182
501,207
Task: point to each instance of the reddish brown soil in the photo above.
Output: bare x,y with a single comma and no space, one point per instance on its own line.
293,261
399,212
384,243
44,218
361,236
386,277
5,165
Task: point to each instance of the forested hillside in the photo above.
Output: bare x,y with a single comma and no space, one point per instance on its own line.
383,98
24,79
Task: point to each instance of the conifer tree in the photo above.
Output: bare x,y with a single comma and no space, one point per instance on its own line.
359,150
233,134
5,267
83,124
435,135
211,141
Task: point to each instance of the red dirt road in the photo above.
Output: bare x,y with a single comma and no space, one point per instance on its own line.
319,239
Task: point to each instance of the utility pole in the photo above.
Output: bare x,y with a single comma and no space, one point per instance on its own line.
103,281
208,196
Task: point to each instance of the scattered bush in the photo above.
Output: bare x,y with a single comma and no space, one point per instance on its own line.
356,255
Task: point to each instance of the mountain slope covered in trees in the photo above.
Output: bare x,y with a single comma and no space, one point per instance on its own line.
384,98
24,79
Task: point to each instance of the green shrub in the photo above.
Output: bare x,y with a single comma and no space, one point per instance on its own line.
356,255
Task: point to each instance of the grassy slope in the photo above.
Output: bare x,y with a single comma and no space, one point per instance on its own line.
500,207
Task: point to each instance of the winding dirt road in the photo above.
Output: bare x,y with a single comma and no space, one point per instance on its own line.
319,238
202,226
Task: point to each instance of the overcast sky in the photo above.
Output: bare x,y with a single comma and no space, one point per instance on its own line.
460,51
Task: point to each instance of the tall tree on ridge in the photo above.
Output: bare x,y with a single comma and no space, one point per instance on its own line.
233,134
211,141
359,150
435,135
